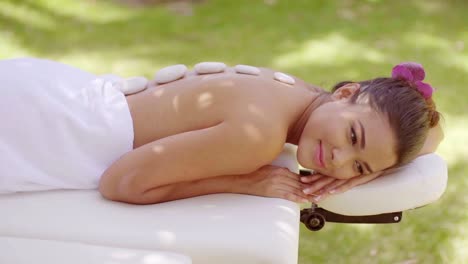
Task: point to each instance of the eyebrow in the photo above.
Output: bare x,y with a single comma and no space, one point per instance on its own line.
363,145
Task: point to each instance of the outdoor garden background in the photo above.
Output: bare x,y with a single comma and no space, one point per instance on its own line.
323,42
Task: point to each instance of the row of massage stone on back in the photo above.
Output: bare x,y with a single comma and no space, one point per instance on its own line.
175,72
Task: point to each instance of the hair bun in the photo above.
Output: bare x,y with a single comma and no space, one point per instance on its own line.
434,118
433,114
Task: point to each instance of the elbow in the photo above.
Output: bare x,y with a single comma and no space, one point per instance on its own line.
110,189
120,189
108,192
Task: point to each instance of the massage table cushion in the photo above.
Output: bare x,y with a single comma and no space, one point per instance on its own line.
218,228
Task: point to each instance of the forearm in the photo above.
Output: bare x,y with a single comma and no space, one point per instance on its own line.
182,190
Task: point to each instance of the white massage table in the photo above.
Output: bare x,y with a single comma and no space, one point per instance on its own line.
81,227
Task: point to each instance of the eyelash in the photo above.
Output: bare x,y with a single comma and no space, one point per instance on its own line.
354,141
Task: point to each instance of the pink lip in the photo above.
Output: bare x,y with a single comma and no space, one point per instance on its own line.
319,155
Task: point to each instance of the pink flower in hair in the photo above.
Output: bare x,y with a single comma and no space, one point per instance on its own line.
413,73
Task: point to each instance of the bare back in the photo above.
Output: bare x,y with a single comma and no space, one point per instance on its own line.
201,101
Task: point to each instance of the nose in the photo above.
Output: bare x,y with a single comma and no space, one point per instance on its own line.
342,156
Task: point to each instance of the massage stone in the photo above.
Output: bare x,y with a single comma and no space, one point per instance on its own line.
133,85
209,67
284,78
247,69
176,72
170,73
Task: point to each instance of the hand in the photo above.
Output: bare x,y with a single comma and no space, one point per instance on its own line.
323,186
273,181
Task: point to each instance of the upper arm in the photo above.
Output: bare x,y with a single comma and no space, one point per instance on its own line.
229,147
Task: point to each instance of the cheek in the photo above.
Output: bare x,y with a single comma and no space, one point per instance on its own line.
306,146
300,158
332,128
324,130
302,149
321,123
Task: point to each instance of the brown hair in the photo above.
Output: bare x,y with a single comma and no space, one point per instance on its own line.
410,115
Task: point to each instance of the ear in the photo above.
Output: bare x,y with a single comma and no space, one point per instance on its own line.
346,91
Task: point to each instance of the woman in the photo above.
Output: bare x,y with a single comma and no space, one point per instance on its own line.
209,133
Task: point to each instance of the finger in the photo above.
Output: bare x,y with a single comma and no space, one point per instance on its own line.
285,172
317,185
290,178
341,189
296,197
353,183
293,184
310,178
315,198
333,185
297,192
320,197
291,175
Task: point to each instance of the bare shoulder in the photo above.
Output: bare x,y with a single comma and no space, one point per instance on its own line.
264,136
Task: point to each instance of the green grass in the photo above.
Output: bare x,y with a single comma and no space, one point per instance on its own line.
321,41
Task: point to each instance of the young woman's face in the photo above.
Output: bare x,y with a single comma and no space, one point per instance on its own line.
344,140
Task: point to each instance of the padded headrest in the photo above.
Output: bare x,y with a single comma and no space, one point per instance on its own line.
421,182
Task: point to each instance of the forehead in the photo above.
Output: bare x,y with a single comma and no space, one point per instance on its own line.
380,147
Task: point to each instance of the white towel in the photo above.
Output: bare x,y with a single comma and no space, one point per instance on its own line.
60,127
